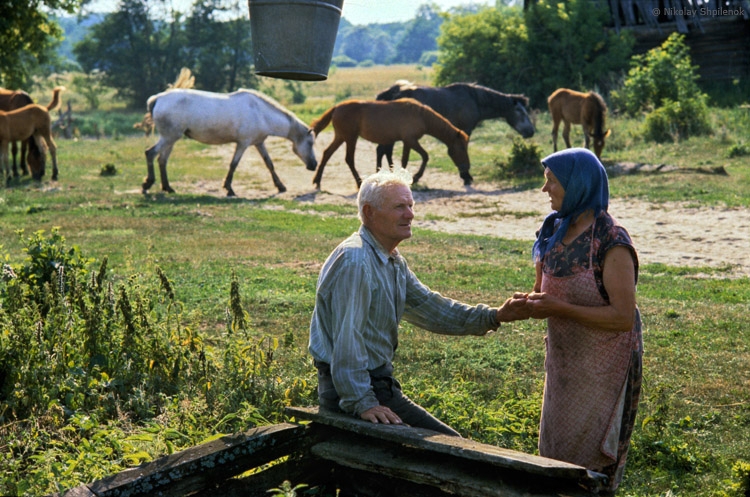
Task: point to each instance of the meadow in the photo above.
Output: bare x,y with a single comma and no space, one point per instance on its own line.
178,318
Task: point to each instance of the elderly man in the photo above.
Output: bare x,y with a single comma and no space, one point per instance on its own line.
364,290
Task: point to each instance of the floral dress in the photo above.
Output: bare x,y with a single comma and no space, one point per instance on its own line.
593,376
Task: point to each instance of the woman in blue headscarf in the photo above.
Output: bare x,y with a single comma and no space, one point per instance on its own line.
587,270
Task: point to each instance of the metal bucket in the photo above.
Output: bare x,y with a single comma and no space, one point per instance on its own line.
293,39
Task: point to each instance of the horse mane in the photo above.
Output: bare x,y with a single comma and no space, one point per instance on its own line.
446,131
276,105
601,110
405,84
488,97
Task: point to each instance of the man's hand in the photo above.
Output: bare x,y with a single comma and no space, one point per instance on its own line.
514,309
381,414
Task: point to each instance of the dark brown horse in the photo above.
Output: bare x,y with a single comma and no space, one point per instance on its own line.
465,105
586,109
12,100
404,120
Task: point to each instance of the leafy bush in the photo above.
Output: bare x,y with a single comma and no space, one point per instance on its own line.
80,352
662,83
343,61
738,150
524,160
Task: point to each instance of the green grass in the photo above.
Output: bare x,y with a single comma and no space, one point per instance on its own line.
694,423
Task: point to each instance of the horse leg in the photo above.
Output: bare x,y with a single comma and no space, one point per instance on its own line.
327,153
5,161
163,158
587,129
269,164
24,152
555,127
405,155
387,152
566,133
238,151
14,153
162,149
350,147
53,153
423,153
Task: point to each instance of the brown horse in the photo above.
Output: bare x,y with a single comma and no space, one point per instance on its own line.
12,100
586,109
385,122
32,120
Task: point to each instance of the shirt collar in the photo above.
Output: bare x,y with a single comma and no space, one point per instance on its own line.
370,239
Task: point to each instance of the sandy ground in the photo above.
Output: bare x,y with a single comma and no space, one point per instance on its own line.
669,233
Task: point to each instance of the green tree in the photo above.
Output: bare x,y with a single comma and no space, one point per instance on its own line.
137,55
28,38
421,34
548,46
221,51
485,47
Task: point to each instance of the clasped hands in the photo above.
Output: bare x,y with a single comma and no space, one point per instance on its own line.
536,305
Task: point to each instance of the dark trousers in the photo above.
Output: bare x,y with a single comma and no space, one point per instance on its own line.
388,392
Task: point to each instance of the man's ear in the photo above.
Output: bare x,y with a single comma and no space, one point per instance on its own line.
367,211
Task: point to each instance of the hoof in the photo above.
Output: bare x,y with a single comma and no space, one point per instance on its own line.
168,189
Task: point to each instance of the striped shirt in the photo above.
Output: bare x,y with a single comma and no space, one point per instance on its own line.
362,294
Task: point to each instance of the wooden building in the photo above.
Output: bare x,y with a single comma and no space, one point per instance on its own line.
717,31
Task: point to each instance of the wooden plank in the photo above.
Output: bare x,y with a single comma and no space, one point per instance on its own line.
459,447
201,466
442,472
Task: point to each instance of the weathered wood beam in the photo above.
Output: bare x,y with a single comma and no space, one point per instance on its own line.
431,441
200,467
389,464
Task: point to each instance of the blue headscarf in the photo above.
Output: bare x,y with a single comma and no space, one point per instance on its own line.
586,188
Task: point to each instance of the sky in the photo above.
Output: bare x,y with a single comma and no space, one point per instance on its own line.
355,11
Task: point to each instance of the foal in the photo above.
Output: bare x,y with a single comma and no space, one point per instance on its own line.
586,109
32,120
12,100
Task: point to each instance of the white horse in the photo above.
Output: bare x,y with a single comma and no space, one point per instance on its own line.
245,117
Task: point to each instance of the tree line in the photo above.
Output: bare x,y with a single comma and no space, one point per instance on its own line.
141,47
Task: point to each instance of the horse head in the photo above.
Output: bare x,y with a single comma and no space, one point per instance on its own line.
303,147
599,142
458,150
35,158
519,119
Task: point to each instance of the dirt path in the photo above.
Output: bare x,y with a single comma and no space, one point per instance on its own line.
670,233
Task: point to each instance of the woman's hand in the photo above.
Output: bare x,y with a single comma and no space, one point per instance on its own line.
542,305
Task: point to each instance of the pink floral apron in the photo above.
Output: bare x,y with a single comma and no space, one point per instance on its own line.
586,372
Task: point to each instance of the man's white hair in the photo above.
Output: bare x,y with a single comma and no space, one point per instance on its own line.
370,192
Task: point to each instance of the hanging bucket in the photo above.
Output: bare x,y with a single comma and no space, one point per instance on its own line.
293,39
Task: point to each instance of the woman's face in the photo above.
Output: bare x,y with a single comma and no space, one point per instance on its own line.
554,189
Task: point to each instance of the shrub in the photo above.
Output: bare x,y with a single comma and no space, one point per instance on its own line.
524,160
738,150
662,83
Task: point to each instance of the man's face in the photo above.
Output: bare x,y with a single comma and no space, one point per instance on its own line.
391,222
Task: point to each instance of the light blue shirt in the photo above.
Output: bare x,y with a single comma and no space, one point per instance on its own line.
362,294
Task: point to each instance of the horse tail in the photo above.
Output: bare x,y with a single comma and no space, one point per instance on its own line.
323,121
55,98
150,103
